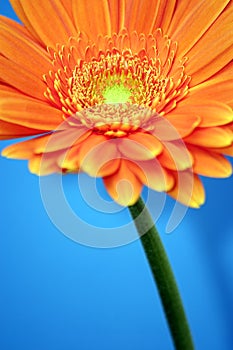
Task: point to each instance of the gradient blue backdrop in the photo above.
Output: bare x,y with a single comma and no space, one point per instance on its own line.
58,295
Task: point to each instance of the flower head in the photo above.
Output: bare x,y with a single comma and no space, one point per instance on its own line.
137,92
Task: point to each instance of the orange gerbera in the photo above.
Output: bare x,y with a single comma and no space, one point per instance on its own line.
123,89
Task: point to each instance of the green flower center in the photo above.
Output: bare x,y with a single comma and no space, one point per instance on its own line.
116,94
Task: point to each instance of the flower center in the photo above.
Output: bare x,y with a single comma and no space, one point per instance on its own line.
117,78
116,94
129,69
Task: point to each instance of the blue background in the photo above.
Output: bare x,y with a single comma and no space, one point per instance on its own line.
56,294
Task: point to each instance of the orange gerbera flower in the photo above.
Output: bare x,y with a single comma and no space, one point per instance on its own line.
127,90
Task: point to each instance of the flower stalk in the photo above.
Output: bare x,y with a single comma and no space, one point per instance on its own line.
163,276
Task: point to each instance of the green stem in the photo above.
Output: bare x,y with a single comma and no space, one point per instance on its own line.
163,276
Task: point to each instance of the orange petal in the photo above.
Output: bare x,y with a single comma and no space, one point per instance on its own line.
90,144
40,165
140,146
46,144
210,112
36,15
145,16
67,4
175,126
18,8
109,167
230,126
228,151
217,89
9,131
165,14
153,175
188,189
217,42
210,137
92,18
69,159
123,186
175,156
64,139
192,19
209,163
26,149
19,47
25,111
97,156
21,79
117,15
